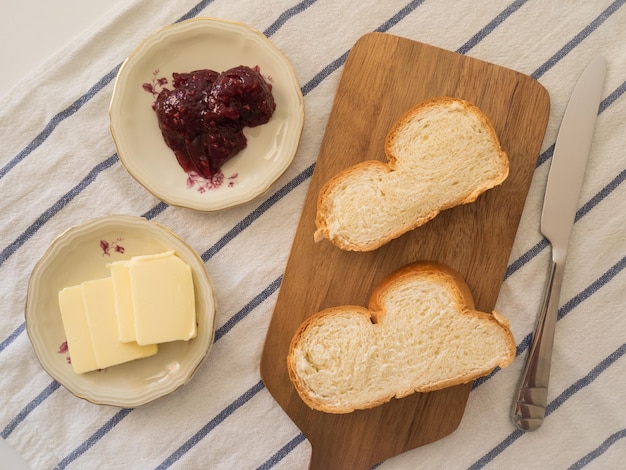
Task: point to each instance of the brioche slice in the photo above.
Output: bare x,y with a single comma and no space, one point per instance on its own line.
441,153
420,333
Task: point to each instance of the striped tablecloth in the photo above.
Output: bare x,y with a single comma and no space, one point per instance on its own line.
59,167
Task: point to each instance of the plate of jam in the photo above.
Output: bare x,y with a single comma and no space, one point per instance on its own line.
84,255
206,114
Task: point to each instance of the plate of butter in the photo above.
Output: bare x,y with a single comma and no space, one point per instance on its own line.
120,311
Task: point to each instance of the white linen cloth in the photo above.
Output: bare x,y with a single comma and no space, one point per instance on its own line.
58,168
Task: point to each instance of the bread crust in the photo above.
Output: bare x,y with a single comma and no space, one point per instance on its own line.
375,313
323,227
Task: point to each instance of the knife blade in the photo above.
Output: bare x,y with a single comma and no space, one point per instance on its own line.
565,180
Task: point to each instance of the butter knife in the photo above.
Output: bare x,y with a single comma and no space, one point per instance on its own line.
565,179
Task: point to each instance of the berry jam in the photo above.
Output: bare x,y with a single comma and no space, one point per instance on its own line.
203,116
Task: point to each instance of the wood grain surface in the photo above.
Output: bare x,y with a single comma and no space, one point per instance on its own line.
384,76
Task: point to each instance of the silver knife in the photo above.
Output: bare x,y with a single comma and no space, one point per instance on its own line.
565,179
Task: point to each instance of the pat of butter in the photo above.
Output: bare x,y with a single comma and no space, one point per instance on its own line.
77,333
99,302
123,301
163,298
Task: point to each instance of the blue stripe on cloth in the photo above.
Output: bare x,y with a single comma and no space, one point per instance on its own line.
543,243
554,405
526,257
594,287
208,427
110,424
545,156
613,96
493,24
591,27
18,331
586,380
56,207
286,15
283,452
254,303
195,10
45,393
403,13
324,73
156,210
587,459
57,119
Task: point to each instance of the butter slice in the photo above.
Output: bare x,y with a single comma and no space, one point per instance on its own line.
99,302
163,298
77,333
123,301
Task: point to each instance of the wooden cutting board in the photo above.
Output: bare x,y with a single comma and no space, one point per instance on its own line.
384,76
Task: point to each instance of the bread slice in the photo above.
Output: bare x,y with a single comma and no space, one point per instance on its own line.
441,153
419,334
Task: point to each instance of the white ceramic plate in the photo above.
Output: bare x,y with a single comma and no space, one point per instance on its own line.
81,253
200,44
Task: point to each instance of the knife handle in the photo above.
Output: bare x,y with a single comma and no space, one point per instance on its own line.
529,407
